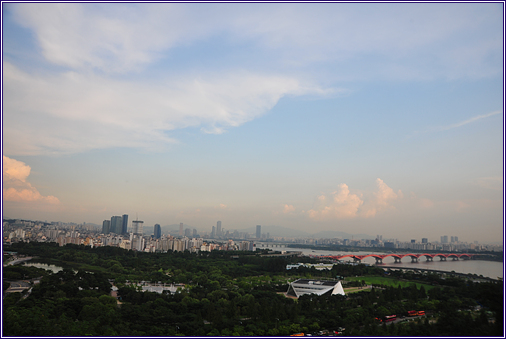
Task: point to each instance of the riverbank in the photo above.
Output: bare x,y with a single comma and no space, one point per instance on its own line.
452,273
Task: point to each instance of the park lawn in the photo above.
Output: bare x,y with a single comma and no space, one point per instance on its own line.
370,280
356,289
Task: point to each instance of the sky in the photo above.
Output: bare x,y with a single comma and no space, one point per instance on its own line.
373,118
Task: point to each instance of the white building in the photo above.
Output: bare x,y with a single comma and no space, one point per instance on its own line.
318,287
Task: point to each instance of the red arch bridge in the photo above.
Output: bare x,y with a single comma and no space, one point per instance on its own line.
397,257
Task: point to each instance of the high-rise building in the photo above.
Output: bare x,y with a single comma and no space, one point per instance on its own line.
181,229
218,228
137,227
259,231
187,232
136,237
213,232
194,232
116,224
157,231
425,241
106,226
124,228
444,239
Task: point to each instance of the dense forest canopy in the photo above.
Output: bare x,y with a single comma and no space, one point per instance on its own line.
230,293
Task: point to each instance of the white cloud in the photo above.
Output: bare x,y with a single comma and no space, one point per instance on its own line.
288,208
75,112
340,205
458,39
15,186
465,122
115,38
92,106
458,124
383,198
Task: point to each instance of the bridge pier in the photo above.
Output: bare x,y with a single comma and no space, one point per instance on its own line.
455,258
379,261
443,258
397,260
356,260
414,259
429,259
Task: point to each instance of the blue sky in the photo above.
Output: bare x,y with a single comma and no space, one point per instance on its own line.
363,118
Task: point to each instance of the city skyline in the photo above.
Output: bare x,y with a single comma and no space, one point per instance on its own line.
364,118
182,230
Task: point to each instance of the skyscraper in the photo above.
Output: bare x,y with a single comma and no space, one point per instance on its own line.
137,235
218,228
158,231
444,239
259,231
180,229
116,224
106,226
137,226
124,228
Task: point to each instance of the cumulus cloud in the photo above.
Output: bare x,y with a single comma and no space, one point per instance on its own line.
15,186
288,208
383,198
339,205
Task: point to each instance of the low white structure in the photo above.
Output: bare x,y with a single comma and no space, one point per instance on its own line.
318,287
319,266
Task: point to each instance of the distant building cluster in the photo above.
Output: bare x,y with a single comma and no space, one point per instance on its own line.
218,232
453,245
115,232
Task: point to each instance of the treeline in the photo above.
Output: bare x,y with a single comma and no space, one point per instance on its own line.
221,300
75,304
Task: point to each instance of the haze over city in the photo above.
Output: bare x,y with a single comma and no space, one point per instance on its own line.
365,118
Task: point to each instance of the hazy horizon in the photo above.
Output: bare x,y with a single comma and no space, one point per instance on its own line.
363,118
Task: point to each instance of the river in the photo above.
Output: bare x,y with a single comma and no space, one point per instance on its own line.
490,269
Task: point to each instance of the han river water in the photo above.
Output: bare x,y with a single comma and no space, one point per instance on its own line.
490,269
